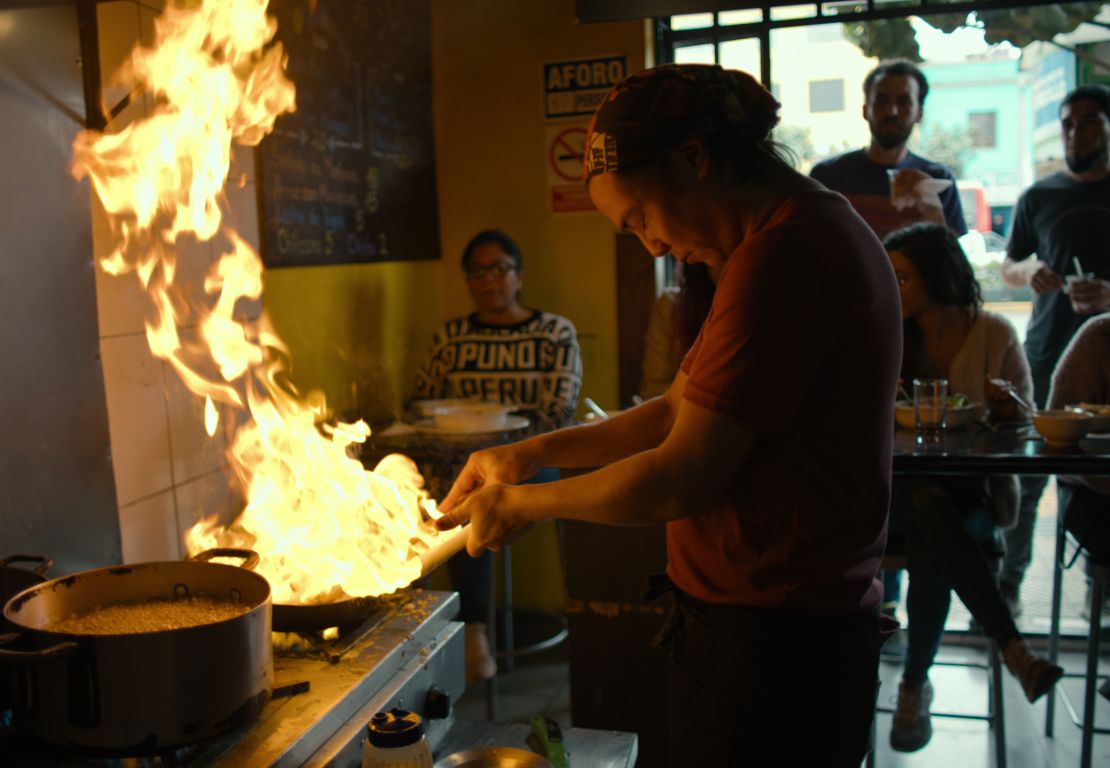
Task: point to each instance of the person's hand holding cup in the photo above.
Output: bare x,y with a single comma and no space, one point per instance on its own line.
1088,294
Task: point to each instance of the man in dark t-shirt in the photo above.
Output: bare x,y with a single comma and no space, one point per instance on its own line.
1061,224
894,102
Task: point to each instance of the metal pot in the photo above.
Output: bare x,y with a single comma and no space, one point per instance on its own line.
14,580
139,693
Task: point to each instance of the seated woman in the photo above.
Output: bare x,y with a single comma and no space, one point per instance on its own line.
1083,376
950,522
502,352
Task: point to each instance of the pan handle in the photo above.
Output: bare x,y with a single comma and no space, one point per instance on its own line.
43,566
53,653
250,557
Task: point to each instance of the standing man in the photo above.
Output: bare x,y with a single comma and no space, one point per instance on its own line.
1061,221
894,100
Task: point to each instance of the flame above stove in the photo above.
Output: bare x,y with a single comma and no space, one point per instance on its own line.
323,525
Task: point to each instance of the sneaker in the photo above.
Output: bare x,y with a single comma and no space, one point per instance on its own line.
1036,674
912,727
480,664
1011,595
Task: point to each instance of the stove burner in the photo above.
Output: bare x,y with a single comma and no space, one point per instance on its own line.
314,644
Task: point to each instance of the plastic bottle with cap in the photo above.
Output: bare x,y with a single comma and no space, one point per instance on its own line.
395,739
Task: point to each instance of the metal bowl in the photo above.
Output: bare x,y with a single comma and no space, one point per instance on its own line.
493,757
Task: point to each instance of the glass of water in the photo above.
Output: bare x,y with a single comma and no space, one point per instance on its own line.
930,409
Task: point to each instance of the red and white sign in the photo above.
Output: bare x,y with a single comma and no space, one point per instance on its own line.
566,146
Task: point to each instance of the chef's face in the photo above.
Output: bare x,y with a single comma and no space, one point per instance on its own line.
892,109
1086,133
661,207
493,278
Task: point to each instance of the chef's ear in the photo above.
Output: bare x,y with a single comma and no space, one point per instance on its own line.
695,154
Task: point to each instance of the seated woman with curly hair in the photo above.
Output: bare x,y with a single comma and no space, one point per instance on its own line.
949,524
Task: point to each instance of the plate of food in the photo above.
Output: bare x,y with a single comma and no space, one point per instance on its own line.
435,426
959,412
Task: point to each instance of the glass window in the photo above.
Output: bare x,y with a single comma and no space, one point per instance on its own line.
692,21
694,54
741,54
824,33
746,16
826,95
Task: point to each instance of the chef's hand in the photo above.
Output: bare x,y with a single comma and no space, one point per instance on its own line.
1001,405
493,521
507,464
1045,280
1089,297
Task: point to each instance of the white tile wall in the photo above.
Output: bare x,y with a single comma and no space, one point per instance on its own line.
137,422
202,497
149,529
169,473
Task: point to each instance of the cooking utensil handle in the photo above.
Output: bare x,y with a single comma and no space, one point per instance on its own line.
53,653
43,566
250,557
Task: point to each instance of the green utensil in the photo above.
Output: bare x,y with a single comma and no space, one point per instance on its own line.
550,737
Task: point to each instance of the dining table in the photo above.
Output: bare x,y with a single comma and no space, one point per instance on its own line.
1008,448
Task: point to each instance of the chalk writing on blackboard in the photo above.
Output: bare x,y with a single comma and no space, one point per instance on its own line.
350,176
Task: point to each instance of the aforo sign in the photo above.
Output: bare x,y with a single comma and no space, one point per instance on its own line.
576,87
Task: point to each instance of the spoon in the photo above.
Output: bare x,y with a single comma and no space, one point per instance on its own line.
1021,401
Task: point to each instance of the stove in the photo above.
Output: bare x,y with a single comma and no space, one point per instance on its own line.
411,655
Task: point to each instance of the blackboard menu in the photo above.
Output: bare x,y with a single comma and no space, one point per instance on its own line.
350,175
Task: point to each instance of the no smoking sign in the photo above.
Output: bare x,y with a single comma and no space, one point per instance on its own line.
566,145
565,152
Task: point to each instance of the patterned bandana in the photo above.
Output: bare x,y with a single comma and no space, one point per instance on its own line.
655,110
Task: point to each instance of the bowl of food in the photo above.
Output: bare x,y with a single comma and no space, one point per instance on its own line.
1063,427
958,413
1100,412
472,417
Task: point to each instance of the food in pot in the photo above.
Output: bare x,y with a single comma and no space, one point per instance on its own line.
156,615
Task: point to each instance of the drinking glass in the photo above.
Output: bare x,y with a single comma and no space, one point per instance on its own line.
930,409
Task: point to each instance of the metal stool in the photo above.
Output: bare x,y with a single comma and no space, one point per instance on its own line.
1099,573
995,716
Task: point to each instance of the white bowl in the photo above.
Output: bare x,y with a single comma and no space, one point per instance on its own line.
1101,414
957,415
472,417
1063,427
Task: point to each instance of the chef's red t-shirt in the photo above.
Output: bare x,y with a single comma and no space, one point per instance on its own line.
802,344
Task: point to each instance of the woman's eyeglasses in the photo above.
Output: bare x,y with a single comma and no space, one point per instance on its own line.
492,270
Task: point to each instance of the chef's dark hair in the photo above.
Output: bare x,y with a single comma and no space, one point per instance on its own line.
506,243
1095,92
941,262
900,68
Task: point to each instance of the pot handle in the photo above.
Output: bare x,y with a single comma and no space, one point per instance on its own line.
43,566
53,653
250,557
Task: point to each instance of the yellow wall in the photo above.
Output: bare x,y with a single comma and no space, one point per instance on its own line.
369,324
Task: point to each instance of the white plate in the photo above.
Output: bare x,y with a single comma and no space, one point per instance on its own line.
428,426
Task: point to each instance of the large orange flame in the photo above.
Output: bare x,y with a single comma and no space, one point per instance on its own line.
323,525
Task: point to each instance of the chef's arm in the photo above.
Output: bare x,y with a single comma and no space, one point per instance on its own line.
686,474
